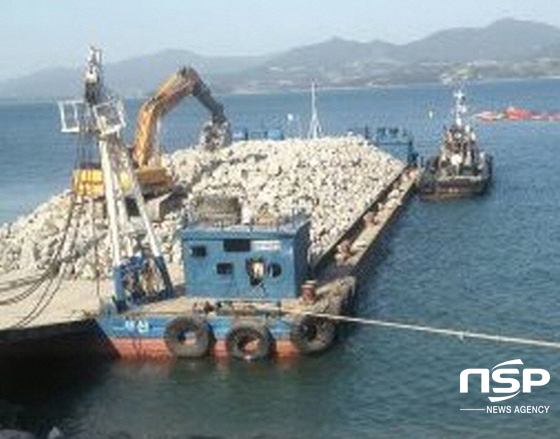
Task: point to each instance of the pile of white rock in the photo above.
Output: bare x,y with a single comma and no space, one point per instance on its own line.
332,179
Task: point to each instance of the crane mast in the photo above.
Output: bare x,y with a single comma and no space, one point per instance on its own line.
139,270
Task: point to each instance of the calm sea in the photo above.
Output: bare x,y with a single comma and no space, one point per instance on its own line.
490,264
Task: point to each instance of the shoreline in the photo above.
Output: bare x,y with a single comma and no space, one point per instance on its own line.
6,102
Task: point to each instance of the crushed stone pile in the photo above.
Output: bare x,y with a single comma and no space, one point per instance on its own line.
332,179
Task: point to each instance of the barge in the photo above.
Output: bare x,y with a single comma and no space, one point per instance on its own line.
461,169
245,287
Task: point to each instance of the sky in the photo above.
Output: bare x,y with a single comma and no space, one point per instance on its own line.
37,34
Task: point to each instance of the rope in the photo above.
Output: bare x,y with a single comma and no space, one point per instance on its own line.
95,253
47,296
434,330
55,261
53,266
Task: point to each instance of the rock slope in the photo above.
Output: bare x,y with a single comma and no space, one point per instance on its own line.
332,179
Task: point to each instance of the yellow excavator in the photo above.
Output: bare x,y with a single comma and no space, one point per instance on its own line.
153,177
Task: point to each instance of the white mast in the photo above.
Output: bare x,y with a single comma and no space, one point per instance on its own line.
460,107
315,130
103,116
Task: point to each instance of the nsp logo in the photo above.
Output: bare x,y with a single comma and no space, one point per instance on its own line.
498,372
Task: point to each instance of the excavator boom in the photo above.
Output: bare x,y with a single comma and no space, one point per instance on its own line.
184,83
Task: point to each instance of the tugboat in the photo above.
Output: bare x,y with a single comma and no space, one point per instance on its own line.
460,169
246,294
244,288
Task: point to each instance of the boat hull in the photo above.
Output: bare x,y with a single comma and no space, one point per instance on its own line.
147,337
173,329
433,187
138,348
451,189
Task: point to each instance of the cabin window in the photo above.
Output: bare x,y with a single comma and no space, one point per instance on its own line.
237,245
198,251
274,269
224,268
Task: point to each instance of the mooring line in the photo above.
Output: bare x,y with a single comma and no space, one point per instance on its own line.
433,330
396,325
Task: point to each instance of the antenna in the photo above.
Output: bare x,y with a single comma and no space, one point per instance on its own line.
315,130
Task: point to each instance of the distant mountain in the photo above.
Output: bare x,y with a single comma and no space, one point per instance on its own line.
131,77
504,40
139,75
44,84
506,48
331,53
493,51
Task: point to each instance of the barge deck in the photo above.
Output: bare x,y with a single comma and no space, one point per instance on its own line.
75,304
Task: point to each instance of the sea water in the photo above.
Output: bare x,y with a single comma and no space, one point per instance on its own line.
490,264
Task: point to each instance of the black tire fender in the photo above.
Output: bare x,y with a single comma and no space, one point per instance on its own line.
189,337
312,334
250,341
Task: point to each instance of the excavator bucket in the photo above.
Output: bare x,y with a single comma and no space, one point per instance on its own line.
215,136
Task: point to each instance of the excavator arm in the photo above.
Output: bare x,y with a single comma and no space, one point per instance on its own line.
184,83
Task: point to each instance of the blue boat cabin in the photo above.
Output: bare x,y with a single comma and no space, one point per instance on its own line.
246,261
